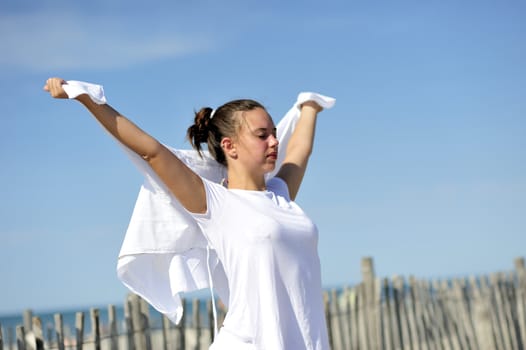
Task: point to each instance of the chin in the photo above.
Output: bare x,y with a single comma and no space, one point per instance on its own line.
270,167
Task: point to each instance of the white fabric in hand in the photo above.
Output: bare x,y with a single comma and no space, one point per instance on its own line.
74,88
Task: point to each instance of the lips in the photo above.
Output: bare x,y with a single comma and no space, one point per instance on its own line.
273,155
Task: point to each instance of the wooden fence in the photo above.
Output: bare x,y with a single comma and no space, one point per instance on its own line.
479,313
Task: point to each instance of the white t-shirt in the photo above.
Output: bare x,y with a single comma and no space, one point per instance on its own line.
268,248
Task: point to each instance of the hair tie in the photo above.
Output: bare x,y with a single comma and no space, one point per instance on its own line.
212,114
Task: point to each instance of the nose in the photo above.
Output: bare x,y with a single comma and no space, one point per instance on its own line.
273,141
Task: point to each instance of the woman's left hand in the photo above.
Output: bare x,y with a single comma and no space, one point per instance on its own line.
55,89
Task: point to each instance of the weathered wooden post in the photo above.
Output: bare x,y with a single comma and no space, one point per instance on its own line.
1,338
166,334
385,324
95,327
411,313
211,320
520,269
10,338
27,319
451,315
377,307
508,291
59,331
21,338
31,331
139,316
482,319
337,327
459,335
364,340
483,329
435,313
145,322
420,289
137,322
396,330
354,320
501,327
399,286
427,303
128,310
368,280
327,307
445,316
180,330
37,333
521,297
345,316
196,322
50,336
79,330
114,333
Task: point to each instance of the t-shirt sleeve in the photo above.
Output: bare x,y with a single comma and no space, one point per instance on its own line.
215,196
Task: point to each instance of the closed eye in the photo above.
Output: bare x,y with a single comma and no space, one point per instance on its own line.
263,134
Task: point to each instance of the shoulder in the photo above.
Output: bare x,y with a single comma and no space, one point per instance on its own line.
214,189
215,197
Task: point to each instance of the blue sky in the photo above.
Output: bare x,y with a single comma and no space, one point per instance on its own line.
421,164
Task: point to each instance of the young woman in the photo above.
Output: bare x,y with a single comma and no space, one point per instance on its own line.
266,244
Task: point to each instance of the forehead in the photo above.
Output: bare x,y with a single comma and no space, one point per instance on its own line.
257,119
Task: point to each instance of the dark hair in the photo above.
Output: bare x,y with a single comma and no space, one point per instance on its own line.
224,123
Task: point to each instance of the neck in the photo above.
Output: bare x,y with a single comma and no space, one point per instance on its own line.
235,181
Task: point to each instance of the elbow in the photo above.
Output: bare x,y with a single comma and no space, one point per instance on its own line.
151,151
308,150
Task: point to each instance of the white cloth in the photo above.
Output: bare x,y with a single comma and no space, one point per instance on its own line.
225,340
268,249
73,88
164,251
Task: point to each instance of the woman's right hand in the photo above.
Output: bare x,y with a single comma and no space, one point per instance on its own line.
55,89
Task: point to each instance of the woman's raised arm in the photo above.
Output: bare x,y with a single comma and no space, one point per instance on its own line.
186,185
299,148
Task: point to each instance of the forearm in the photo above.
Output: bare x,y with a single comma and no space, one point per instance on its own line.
302,139
122,128
299,149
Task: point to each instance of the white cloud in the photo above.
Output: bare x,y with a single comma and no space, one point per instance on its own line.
48,41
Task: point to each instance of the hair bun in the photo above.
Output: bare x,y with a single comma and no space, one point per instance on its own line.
198,132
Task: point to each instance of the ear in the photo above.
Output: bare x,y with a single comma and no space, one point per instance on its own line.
229,147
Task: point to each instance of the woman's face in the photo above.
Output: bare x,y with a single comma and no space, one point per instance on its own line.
257,146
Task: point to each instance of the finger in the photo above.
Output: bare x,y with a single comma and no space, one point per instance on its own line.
49,85
46,85
55,82
56,86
